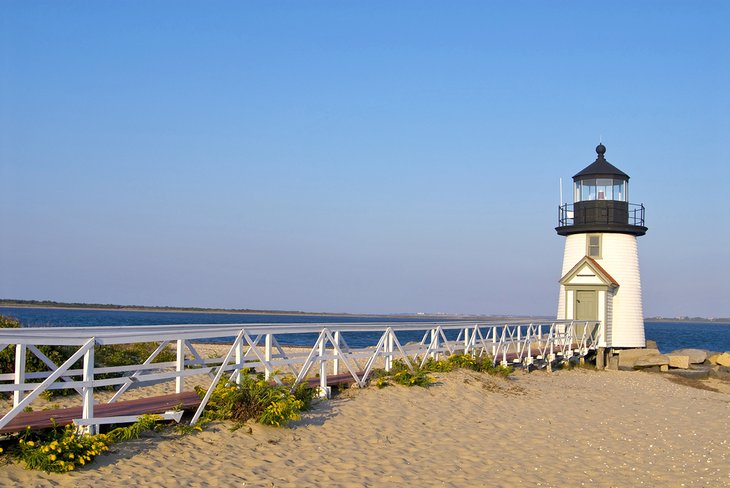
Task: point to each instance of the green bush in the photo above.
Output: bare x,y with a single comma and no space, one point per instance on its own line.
58,450
104,356
418,376
57,354
414,378
438,366
258,399
400,374
145,423
481,364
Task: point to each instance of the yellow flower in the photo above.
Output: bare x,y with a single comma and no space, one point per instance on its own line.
70,467
52,457
81,461
71,456
31,443
1,449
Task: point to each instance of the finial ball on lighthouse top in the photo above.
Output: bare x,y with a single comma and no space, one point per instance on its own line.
600,149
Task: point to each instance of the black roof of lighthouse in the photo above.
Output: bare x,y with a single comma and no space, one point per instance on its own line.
600,168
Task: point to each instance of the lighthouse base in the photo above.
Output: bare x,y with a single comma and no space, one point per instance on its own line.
605,287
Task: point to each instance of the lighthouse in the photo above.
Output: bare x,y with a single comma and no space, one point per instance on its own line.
600,275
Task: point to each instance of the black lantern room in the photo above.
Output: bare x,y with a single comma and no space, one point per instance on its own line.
601,202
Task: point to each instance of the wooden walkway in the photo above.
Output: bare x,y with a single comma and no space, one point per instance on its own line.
188,400
63,416
256,346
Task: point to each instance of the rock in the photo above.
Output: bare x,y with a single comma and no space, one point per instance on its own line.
712,359
693,374
723,359
678,361
654,369
651,344
696,356
652,360
627,357
612,363
720,372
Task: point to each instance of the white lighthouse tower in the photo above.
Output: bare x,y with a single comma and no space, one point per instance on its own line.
600,277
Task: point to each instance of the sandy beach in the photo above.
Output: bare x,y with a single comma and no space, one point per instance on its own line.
577,428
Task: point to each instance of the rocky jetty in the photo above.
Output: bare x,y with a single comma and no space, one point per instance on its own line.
689,363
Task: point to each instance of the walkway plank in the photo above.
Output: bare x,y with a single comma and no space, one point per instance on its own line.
63,416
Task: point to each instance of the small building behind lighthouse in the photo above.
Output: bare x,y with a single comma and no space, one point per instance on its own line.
600,276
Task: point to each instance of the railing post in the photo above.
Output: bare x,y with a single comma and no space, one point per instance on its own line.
239,361
180,366
494,342
323,388
267,356
336,362
19,379
466,340
435,341
389,351
505,344
88,391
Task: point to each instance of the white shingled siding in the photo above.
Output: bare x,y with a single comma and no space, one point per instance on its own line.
620,259
602,307
609,320
575,249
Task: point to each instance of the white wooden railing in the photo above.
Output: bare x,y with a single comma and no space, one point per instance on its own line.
259,346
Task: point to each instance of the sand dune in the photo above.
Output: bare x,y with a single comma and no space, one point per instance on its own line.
577,428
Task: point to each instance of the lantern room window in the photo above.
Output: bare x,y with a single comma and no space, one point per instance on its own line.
601,189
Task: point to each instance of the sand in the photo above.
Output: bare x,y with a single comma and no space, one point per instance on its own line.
567,428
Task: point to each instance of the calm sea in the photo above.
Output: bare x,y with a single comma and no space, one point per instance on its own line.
669,335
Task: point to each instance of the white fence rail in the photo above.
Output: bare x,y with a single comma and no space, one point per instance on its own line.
258,346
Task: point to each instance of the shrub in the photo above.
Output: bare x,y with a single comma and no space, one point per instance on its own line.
59,449
258,399
145,423
104,356
400,374
57,354
481,364
137,353
438,366
415,378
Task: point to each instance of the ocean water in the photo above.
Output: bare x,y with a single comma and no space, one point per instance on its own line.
53,317
668,335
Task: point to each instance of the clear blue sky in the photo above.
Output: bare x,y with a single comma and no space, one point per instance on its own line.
355,156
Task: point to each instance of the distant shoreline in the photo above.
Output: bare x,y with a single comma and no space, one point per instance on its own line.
142,308
139,308
719,320
122,308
